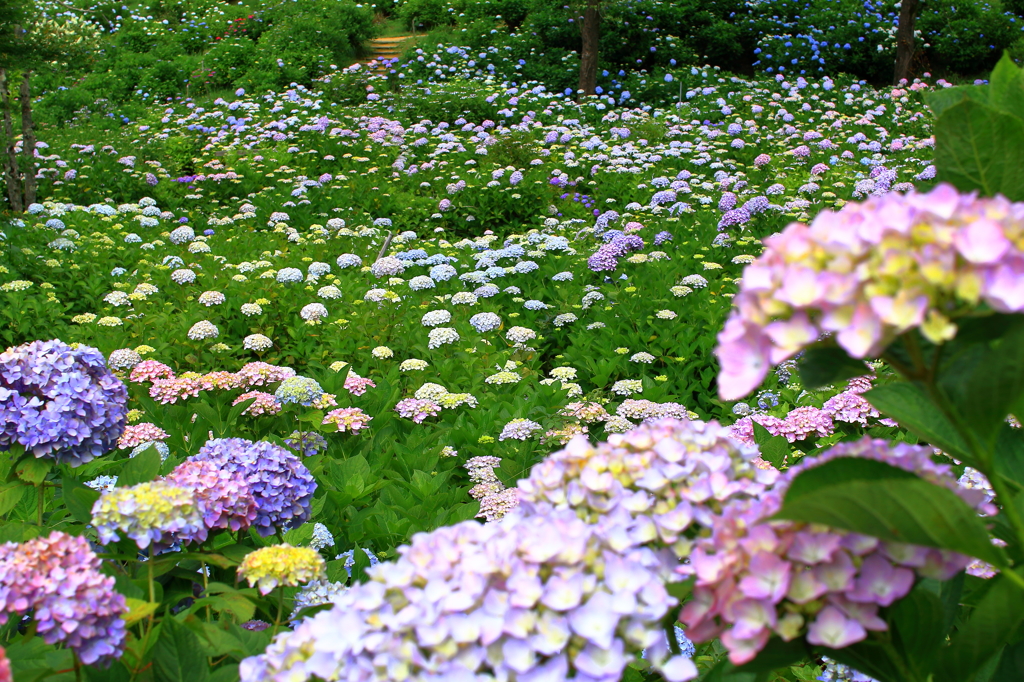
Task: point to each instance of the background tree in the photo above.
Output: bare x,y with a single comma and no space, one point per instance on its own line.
591,30
30,39
905,39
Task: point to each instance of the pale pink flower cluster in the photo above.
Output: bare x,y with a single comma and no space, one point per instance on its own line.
265,403
350,419
137,434
357,385
800,423
870,272
417,410
757,577
495,499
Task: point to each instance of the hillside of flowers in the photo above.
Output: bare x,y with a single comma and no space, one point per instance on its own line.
425,370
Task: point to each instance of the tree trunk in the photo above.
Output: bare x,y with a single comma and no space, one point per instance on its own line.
591,42
10,157
905,39
28,138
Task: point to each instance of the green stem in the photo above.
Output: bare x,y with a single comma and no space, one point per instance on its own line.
280,611
40,503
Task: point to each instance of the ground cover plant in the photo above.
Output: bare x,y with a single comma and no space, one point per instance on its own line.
432,372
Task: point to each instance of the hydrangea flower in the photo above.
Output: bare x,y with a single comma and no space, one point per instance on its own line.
58,578
416,409
282,565
902,262
222,497
281,485
298,390
757,577
60,402
519,429
350,419
156,512
544,593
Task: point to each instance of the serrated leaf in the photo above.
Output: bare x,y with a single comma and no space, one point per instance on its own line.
79,499
177,656
33,470
823,365
882,501
909,405
978,148
139,609
774,449
11,494
141,468
994,621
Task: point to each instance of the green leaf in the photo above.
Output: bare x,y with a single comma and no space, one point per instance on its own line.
1009,454
33,470
992,623
823,365
942,99
301,536
883,501
868,657
11,494
908,405
141,468
978,147
1011,664
986,382
79,499
917,622
177,656
1006,87
774,449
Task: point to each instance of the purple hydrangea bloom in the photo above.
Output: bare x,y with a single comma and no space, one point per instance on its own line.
280,483
736,216
605,258
60,402
662,237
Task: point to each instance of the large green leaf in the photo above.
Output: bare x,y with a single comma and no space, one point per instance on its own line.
1011,664
978,147
918,627
823,365
141,468
1006,87
991,625
883,501
178,656
986,382
79,499
909,405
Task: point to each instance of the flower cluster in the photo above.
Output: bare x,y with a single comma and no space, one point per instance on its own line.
282,565
756,577
869,273
535,597
351,419
58,578
280,484
60,402
416,409
157,512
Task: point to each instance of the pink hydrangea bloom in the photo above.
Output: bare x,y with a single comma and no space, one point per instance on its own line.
757,577
870,272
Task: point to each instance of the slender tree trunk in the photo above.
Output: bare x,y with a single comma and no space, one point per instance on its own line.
591,43
10,157
905,39
28,138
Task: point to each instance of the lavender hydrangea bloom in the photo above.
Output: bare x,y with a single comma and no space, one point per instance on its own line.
280,483
60,402
540,597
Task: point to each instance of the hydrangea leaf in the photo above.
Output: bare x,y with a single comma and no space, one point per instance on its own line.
979,148
883,501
